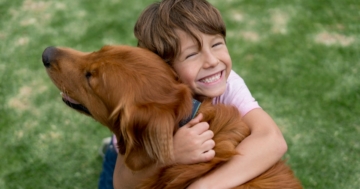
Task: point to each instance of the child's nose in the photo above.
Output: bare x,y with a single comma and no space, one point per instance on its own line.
210,60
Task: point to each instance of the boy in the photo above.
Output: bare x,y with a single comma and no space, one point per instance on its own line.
190,36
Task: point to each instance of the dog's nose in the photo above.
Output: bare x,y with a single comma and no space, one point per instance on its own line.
48,55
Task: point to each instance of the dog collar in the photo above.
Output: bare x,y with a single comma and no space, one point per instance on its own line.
196,105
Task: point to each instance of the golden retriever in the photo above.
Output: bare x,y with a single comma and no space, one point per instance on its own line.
138,97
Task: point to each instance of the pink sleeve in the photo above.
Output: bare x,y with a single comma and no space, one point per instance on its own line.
237,94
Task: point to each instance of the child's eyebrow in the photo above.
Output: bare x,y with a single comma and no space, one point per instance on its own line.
218,36
193,45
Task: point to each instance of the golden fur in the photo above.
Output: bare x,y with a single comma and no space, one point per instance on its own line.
137,96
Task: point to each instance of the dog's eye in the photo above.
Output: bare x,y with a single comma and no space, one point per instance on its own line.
88,75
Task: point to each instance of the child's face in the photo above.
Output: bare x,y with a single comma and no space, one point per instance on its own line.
205,70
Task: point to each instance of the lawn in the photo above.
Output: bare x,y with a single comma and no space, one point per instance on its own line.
300,59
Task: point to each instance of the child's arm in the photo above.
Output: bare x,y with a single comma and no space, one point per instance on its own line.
263,148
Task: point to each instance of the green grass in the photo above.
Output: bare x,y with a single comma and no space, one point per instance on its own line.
300,60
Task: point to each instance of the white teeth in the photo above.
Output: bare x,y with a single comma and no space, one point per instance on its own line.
211,79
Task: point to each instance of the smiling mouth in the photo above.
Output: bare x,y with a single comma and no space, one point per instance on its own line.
211,78
74,104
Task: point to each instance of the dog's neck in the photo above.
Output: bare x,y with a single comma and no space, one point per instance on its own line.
196,105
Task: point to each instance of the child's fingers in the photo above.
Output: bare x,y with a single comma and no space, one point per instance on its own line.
207,135
207,147
194,121
196,127
193,142
201,129
208,155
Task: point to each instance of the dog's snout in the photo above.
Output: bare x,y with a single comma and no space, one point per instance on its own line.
48,56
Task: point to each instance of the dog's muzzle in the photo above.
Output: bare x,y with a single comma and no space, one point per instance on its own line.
48,58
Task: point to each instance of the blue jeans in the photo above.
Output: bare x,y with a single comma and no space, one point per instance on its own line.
106,176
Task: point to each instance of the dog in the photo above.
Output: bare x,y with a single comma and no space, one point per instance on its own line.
134,93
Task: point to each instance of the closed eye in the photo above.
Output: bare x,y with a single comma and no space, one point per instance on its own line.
88,75
217,44
190,55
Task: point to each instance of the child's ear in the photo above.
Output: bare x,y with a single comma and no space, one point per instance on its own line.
148,136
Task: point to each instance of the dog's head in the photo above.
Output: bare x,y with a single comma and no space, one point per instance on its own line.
128,89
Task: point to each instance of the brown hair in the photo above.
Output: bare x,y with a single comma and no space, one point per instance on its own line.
155,28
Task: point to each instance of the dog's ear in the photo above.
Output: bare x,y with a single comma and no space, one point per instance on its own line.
148,134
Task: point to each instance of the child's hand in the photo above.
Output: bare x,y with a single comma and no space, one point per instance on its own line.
193,142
